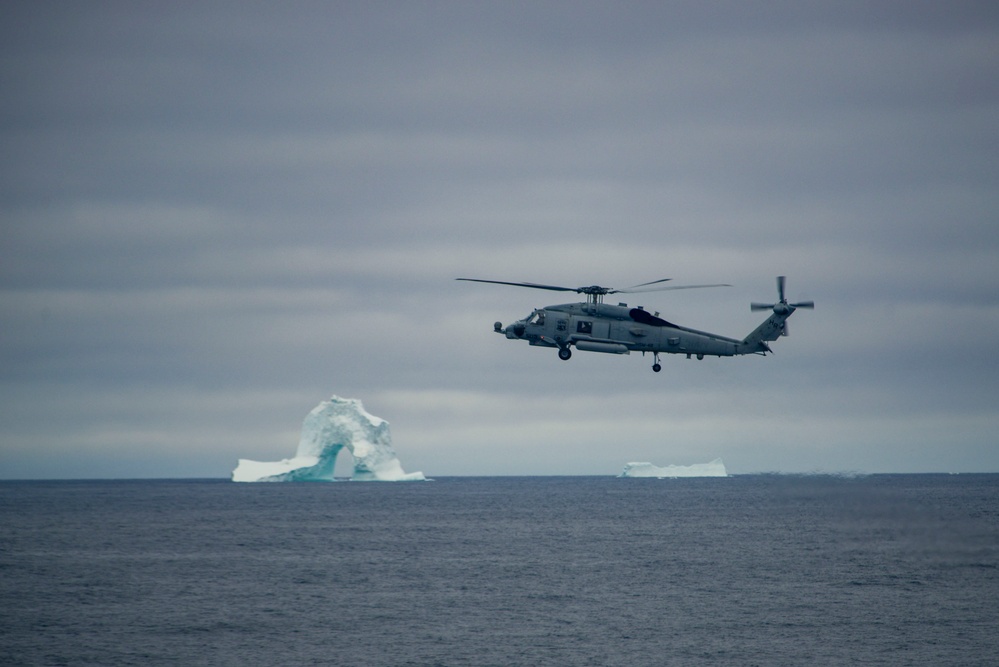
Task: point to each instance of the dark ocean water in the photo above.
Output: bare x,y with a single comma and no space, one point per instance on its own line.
747,570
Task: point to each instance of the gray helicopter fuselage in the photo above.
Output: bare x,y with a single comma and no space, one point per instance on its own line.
600,327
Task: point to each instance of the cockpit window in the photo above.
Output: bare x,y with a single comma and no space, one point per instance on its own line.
537,317
644,317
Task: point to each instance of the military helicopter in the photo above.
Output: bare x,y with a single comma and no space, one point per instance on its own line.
594,326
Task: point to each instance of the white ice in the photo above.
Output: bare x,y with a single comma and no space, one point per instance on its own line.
331,426
713,469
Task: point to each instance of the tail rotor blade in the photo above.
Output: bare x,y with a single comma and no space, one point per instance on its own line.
803,304
761,306
780,288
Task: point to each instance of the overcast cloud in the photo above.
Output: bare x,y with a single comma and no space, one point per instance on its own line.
216,215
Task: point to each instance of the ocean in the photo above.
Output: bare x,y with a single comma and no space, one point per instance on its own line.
505,571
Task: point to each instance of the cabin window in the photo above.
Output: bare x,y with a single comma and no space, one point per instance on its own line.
584,327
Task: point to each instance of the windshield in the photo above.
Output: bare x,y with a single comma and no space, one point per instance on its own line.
537,317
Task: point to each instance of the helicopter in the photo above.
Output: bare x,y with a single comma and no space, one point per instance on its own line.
594,326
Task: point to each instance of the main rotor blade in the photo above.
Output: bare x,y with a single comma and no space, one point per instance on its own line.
597,289
632,290
654,282
555,288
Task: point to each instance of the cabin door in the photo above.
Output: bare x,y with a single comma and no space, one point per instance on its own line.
601,329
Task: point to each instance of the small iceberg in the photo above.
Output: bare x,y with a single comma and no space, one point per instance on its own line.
713,469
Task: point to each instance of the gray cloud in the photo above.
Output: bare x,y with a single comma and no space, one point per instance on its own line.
214,217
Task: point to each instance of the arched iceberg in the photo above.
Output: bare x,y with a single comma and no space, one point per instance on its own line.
331,426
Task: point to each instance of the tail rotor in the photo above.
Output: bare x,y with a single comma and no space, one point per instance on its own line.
782,307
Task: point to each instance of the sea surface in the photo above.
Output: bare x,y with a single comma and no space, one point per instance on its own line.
505,571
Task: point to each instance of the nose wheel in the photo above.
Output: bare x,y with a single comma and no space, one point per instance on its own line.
656,367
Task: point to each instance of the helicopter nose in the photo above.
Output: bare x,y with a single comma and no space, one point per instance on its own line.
516,329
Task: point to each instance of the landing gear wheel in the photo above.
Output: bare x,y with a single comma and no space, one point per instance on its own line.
656,368
564,353
655,362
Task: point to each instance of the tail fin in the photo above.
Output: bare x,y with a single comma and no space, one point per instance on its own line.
771,329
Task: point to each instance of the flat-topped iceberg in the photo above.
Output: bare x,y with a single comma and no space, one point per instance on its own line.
713,469
331,426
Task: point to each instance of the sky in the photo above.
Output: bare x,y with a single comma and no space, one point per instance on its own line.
215,215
